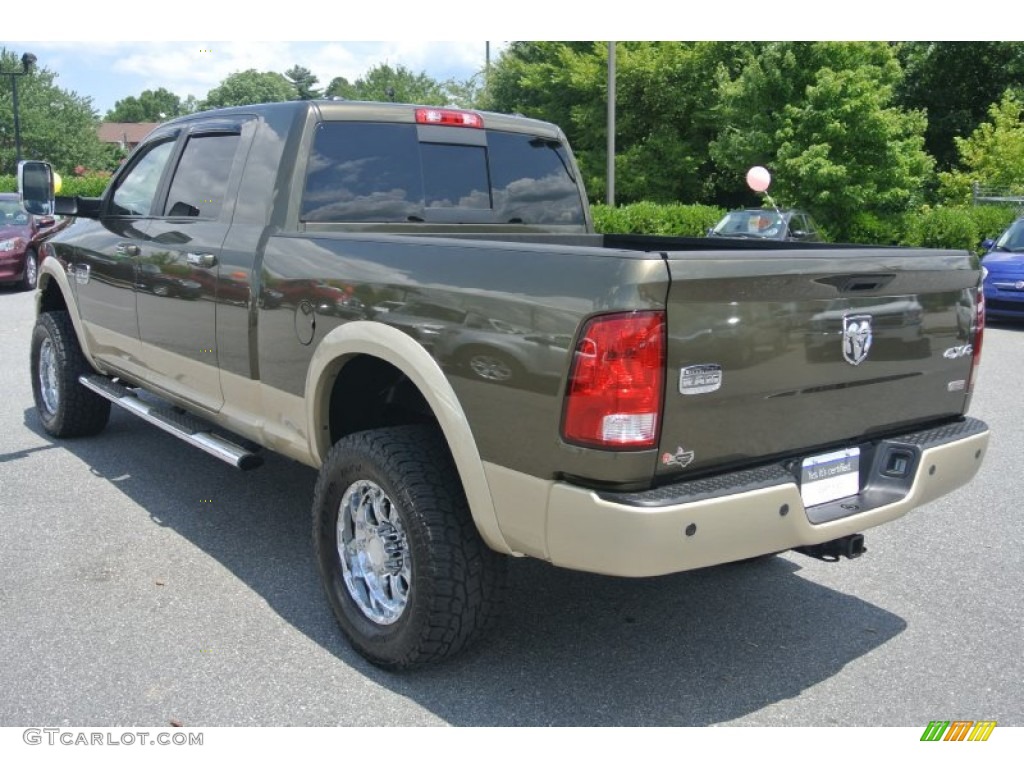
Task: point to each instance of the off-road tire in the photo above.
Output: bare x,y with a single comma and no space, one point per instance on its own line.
457,585
70,410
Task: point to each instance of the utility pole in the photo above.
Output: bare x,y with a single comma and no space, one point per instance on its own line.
611,123
28,60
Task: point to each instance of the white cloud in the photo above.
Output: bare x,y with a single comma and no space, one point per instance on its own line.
113,70
196,67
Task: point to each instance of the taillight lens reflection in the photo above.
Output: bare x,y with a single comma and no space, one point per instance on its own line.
616,383
979,335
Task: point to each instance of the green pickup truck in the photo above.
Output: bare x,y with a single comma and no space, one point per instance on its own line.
414,301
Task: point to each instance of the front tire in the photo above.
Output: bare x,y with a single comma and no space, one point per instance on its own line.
28,279
406,573
65,407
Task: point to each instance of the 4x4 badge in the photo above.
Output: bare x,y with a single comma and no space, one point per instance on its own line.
856,338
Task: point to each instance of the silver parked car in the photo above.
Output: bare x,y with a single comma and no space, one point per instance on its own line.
768,224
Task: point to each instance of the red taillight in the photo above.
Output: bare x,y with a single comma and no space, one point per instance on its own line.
616,382
456,117
979,335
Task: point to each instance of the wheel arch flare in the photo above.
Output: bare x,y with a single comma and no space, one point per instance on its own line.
399,350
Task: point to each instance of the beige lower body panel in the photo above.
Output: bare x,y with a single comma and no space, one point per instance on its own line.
585,532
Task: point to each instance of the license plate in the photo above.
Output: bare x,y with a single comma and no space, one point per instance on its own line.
830,476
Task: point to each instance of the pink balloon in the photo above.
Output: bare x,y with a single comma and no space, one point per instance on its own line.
758,178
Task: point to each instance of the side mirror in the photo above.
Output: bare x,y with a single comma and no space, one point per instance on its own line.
35,185
987,243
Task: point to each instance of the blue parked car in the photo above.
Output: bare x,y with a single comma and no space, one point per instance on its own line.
1004,273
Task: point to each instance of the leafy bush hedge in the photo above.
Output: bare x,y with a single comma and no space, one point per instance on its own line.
866,227
85,186
955,227
90,185
656,219
961,227
992,219
942,228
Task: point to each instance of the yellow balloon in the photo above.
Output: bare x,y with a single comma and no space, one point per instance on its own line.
57,182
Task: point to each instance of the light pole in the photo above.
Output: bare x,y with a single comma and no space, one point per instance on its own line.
611,124
28,60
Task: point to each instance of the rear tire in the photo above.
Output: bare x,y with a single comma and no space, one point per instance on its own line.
406,573
65,407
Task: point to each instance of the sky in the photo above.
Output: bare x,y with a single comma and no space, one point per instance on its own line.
113,70
91,56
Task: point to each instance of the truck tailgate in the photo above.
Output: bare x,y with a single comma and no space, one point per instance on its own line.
788,353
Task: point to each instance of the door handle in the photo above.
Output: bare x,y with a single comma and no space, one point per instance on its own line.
205,260
127,249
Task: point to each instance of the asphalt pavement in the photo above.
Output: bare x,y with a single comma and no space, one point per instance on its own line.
142,581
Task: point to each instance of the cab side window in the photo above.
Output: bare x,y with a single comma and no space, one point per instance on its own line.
809,228
201,179
135,192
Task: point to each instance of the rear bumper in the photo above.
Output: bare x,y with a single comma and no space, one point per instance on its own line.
748,513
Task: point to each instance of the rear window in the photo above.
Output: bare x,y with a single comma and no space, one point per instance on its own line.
382,172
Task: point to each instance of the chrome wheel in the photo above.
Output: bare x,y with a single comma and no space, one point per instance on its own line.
48,375
374,552
408,577
490,367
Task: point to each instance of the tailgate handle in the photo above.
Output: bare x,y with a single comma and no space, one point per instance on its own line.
857,283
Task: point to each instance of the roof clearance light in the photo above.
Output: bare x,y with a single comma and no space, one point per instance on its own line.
455,117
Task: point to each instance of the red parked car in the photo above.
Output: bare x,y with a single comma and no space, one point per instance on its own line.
20,233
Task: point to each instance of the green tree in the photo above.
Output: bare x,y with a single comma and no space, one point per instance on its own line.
821,116
665,109
956,82
339,87
563,83
992,156
545,79
466,94
148,107
845,150
666,118
250,87
303,81
386,83
56,125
